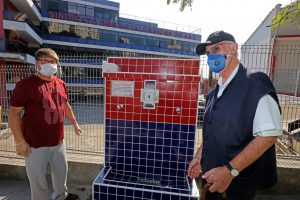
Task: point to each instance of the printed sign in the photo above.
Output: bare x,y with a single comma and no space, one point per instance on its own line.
122,88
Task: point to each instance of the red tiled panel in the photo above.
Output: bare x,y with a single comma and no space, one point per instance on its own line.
175,91
148,65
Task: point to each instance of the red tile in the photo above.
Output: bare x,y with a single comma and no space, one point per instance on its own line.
129,116
160,110
186,104
153,118
145,117
195,71
170,102
170,95
176,119
113,115
184,120
193,112
137,116
187,95
192,120
129,109
121,115
178,95
178,103
169,111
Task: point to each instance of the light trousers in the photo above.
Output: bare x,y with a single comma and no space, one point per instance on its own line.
37,163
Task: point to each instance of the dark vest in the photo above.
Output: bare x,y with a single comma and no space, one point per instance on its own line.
228,128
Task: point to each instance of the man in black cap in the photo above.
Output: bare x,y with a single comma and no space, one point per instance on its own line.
241,125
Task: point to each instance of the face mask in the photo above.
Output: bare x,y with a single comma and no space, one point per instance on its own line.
48,69
216,62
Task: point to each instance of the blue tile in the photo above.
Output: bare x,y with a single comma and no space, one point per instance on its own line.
121,123
96,196
114,123
159,141
157,196
128,123
96,188
166,196
138,193
184,128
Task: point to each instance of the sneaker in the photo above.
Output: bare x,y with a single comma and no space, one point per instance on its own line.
72,197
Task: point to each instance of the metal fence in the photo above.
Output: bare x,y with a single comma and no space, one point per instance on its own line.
82,74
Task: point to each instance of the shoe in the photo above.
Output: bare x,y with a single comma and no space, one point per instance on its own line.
72,197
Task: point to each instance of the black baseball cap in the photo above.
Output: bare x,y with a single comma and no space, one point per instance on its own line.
214,38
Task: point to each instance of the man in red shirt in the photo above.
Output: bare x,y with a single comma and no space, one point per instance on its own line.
39,133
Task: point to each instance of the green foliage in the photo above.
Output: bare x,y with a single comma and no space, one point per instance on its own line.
288,14
183,3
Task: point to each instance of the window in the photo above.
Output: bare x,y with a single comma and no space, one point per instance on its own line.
72,8
63,28
53,5
151,42
89,11
97,34
90,33
53,27
80,31
98,12
81,10
63,7
106,36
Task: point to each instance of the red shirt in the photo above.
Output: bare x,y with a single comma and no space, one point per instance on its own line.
44,105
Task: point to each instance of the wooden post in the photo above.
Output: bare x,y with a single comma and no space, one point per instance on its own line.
0,114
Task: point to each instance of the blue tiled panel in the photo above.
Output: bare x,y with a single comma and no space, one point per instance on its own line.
158,149
112,185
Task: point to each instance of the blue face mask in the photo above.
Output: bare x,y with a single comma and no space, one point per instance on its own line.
216,61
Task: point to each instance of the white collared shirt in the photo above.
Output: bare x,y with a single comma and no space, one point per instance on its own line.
267,120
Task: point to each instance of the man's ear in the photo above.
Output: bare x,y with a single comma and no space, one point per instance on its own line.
234,49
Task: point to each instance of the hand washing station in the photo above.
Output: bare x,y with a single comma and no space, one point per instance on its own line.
150,127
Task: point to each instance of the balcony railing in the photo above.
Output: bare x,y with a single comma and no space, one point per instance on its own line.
15,46
115,44
20,17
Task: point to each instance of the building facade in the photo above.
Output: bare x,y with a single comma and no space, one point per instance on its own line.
86,27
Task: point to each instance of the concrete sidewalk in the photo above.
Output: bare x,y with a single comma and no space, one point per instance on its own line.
14,184
20,190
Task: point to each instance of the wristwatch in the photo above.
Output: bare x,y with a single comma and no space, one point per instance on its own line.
233,171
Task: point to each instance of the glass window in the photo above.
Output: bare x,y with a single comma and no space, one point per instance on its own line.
97,34
90,11
53,5
90,33
139,40
98,12
162,44
63,7
106,36
63,28
53,27
81,10
151,42
80,31
72,8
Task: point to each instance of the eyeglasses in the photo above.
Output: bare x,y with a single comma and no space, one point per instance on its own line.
215,48
46,60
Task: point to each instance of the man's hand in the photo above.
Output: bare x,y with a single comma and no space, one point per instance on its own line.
194,168
219,178
77,129
23,148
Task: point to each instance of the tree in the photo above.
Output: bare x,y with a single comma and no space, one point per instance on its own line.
288,14
183,3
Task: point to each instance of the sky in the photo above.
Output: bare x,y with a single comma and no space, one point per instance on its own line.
238,17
